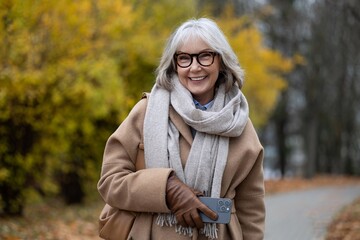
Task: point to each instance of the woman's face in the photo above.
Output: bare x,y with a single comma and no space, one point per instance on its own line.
199,80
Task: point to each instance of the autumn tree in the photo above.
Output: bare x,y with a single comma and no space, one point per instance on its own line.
145,41
60,94
286,30
332,89
264,67
69,72
316,117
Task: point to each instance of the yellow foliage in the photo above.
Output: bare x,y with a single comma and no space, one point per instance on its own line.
69,72
4,174
152,25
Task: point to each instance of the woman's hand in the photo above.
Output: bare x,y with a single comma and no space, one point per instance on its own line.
184,203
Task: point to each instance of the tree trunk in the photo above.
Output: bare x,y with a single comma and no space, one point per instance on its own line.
311,141
12,200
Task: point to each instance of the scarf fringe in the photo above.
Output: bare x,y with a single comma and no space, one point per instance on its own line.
164,219
210,230
184,230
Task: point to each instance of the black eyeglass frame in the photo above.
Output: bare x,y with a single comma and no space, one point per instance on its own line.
213,54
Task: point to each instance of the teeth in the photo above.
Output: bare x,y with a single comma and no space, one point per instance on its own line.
197,78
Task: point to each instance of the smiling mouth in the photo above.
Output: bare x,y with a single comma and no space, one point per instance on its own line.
197,78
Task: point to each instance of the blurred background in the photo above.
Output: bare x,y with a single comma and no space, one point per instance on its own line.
70,71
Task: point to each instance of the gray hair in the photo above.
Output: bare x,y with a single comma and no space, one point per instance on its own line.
209,32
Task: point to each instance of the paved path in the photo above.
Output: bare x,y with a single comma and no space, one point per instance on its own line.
304,215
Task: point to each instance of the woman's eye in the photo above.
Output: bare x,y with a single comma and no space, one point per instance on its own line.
205,55
183,58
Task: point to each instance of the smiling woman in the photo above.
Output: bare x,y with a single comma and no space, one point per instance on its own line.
190,137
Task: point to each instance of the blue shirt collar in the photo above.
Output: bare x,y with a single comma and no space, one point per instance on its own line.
203,107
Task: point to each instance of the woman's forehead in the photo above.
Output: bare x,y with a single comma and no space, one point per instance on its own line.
193,44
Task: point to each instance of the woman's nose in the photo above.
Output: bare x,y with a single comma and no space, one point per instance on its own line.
195,65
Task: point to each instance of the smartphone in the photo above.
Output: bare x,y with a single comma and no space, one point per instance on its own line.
222,206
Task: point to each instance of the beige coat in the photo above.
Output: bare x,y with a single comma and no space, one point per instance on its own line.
126,185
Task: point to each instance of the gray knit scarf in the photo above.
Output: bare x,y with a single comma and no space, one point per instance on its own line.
208,155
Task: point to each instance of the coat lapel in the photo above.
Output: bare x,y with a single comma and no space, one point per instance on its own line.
183,128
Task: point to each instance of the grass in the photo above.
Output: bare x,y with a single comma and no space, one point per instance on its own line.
52,220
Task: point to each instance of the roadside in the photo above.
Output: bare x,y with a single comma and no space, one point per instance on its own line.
346,224
295,184
52,220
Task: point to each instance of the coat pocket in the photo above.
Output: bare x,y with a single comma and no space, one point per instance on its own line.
115,223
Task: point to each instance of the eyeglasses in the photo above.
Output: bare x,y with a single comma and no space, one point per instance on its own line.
205,59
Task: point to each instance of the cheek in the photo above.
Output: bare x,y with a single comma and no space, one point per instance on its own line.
182,73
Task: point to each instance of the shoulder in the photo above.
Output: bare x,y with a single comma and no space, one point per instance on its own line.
140,107
135,117
248,138
250,130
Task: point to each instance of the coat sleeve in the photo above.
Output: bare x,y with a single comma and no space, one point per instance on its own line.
120,185
249,199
